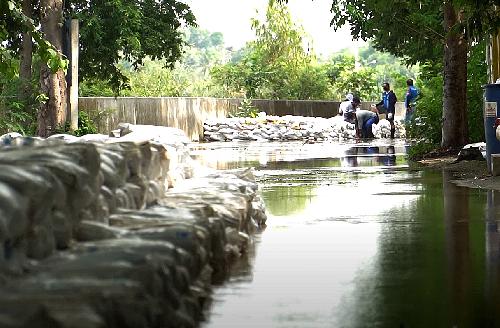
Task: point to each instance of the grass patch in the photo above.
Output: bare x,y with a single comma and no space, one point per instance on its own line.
421,150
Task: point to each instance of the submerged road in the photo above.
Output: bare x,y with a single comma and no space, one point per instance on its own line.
356,238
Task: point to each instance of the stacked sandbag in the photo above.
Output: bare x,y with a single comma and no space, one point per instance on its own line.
289,128
232,198
383,129
172,139
127,282
98,233
152,269
45,192
270,128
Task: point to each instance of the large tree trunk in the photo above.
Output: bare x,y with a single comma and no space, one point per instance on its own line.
455,131
52,114
25,91
26,53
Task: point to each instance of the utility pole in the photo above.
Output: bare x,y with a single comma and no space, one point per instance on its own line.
71,51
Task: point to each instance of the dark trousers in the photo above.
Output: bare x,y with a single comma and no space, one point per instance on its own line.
367,127
393,128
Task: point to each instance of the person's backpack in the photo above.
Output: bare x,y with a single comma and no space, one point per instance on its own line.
395,97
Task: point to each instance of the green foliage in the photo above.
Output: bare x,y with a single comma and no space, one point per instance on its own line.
426,122
110,32
203,50
312,83
54,60
154,80
374,69
246,109
14,117
95,88
362,82
85,125
117,30
314,80
12,24
18,113
8,67
232,79
420,149
339,64
427,119
345,78
407,29
476,77
279,40
275,66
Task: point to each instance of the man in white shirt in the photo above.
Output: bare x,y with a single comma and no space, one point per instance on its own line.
343,105
349,111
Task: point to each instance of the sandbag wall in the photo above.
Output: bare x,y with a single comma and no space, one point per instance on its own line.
291,128
94,235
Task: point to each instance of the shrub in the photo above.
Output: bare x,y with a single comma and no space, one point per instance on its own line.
246,109
426,122
18,112
476,77
420,149
85,125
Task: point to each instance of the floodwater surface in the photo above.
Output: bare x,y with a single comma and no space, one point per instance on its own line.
357,238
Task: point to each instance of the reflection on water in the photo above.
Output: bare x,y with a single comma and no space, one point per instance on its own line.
357,240
287,199
294,154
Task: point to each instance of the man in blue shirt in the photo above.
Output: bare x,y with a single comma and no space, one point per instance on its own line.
410,100
388,102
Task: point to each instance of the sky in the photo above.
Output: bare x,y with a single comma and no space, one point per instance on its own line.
232,18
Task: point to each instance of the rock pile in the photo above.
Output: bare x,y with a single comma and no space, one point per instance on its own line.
94,235
290,128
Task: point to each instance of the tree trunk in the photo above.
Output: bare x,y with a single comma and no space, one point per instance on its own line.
26,55
52,114
455,130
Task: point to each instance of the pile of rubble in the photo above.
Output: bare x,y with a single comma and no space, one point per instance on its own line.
117,231
290,128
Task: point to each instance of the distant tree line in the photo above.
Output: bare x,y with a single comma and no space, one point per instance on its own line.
145,48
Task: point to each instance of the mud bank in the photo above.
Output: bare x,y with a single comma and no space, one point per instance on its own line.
466,173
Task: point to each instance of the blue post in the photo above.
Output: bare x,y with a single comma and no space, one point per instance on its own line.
491,113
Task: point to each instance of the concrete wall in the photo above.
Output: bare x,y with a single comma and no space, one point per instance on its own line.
189,113
184,113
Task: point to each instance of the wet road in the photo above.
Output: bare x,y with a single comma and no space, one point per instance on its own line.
358,239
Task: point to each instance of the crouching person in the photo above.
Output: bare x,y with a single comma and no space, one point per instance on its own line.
365,119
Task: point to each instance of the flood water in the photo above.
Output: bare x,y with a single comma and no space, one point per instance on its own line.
356,238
